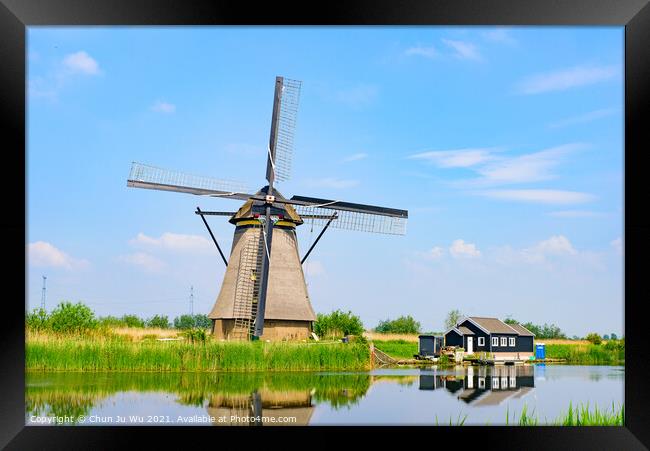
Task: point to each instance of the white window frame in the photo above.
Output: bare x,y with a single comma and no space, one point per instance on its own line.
495,341
504,341
481,341
511,341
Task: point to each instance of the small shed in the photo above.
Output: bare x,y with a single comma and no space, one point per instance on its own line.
430,345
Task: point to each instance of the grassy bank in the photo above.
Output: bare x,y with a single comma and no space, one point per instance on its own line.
398,349
96,353
588,354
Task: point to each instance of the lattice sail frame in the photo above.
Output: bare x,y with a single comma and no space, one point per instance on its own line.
159,176
352,220
288,114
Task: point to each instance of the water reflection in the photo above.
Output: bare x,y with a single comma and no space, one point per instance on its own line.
382,396
483,385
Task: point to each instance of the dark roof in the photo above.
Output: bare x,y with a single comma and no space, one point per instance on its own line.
493,325
521,330
464,330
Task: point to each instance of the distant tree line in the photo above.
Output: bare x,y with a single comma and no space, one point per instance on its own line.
553,331
69,317
401,325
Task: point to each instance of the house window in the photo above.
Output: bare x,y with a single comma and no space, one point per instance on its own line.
511,341
481,341
504,341
495,383
495,341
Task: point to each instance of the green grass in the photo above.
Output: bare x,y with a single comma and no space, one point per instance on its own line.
89,354
398,349
587,354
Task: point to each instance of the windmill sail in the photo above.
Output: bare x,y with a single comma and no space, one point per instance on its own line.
151,177
283,125
351,216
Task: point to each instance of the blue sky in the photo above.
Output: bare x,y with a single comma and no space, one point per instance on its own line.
505,145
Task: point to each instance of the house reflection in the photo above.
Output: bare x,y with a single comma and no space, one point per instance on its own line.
483,385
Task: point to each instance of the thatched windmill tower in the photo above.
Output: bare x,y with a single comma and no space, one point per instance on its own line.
264,294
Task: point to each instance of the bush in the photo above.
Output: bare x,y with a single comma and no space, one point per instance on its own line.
72,318
112,321
594,338
401,325
37,320
192,321
133,321
195,335
159,321
337,324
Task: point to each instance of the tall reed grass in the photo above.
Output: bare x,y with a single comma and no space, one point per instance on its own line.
96,353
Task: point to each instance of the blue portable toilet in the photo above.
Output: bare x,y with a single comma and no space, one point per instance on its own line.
540,351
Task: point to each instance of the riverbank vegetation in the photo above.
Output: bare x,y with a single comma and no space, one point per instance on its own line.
581,415
94,352
610,353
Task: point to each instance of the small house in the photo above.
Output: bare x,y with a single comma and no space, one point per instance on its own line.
491,335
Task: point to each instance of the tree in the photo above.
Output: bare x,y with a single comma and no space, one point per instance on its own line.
594,338
452,318
192,321
133,321
37,319
72,318
613,336
337,324
401,325
159,321
510,321
605,337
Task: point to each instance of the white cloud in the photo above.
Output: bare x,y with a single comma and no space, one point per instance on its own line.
314,268
427,52
331,182
500,35
355,157
531,167
460,158
545,196
463,50
174,242
44,254
567,78
575,214
358,96
557,245
583,118
436,253
143,260
163,107
81,62
460,249
617,244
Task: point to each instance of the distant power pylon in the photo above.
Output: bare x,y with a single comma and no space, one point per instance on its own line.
43,293
192,300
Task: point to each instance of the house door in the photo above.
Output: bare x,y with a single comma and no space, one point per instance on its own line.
470,345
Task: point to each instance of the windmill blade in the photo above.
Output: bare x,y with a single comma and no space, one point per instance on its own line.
283,125
351,216
151,177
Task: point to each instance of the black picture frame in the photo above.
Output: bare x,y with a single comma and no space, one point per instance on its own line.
16,15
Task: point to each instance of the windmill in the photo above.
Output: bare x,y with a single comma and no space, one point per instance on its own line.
263,294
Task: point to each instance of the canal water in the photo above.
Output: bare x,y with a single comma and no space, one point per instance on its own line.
426,396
